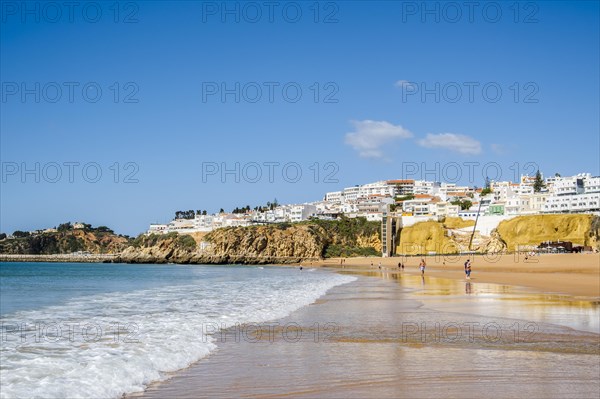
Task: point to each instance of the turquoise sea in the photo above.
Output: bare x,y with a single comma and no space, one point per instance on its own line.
103,330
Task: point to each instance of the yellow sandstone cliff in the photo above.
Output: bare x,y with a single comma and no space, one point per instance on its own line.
453,236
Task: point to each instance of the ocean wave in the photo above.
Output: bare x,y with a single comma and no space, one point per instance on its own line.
107,345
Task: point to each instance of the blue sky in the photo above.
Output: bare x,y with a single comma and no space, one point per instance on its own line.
163,122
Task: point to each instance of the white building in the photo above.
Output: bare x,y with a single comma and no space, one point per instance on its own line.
444,208
591,184
504,189
468,214
537,201
335,197
374,203
569,185
351,193
372,216
181,225
516,206
419,206
402,187
381,188
282,213
527,180
204,222
579,193
301,212
572,203
157,228
349,207
423,187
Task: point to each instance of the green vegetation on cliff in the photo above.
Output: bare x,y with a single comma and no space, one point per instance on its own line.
309,239
348,231
336,251
66,240
274,243
180,241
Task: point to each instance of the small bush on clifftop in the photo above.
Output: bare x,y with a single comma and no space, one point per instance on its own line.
336,251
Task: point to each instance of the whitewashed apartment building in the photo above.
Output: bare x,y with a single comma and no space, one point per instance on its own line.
579,193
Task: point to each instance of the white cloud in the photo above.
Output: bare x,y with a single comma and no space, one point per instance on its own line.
452,142
369,136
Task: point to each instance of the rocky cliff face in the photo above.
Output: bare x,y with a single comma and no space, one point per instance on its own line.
510,234
65,242
302,241
255,244
425,237
160,249
532,230
480,243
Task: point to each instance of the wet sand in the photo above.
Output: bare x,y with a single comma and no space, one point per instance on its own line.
572,274
395,334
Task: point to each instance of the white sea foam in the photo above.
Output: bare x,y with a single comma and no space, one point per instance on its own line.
37,361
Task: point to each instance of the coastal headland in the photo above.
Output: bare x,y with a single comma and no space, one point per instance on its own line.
504,257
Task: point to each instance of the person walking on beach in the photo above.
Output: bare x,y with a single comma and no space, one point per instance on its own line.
422,266
468,269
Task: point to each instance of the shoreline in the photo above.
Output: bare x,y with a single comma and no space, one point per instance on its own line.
576,275
118,258
369,353
66,258
380,337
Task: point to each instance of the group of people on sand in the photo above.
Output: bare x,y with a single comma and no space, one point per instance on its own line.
377,265
423,264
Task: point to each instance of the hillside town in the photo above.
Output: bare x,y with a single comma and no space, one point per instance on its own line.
414,201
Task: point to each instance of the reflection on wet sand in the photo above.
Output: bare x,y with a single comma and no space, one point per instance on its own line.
497,300
409,336
468,288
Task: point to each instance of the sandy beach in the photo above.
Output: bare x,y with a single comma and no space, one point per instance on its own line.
572,274
396,334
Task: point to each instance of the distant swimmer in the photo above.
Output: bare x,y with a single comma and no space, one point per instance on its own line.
300,267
